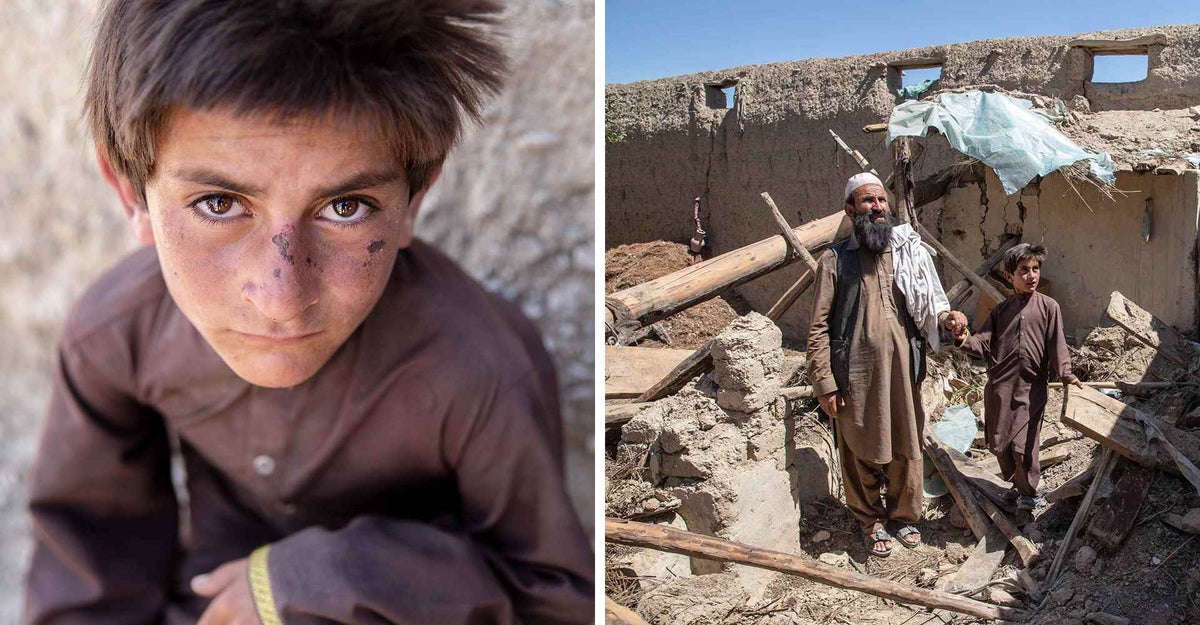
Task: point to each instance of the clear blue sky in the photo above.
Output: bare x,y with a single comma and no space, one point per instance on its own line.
647,39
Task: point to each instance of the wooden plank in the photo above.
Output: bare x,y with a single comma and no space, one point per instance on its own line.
1114,518
620,414
1106,463
674,540
1139,45
979,567
664,296
1150,330
1116,426
696,363
629,371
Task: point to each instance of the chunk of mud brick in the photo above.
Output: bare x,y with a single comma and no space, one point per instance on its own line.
1085,558
1062,596
957,553
644,427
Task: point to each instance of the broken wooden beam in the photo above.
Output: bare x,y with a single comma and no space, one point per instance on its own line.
790,296
1106,462
1025,547
976,281
1151,330
1123,428
962,287
794,242
662,297
855,154
880,127
686,543
1114,519
955,482
1073,487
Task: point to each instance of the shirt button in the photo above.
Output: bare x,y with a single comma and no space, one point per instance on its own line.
264,464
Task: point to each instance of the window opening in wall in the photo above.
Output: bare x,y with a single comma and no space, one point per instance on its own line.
917,80
1109,68
721,95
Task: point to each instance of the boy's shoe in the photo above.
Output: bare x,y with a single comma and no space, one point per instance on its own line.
1027,503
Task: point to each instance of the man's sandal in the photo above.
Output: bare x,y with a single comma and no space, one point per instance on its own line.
876,540
909,536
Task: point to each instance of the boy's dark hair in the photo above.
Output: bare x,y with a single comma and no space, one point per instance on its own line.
1023,251
411,67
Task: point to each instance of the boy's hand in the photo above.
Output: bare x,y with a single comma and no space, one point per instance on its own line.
229,586
830,402
955,322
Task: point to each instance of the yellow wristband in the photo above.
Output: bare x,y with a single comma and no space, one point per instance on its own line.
260,587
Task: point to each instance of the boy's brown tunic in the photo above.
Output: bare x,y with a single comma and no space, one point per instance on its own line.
416,478
1022,343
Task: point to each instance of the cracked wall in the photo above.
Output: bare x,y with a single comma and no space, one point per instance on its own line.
775,138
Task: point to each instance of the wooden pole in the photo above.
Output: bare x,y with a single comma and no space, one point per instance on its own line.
678,541
1025,547
789,234
961,287
976,280
1106,462
664,296
963,496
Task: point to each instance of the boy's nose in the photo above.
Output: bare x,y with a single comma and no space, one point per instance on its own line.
281,286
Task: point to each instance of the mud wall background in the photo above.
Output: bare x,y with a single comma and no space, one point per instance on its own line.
515,206
683,138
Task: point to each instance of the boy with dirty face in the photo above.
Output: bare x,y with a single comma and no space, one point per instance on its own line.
368,436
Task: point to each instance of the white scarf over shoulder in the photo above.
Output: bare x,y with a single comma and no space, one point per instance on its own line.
918,280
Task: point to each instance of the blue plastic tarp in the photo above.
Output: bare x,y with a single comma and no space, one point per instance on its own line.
1005,133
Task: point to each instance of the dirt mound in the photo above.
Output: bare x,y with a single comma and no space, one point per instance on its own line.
630,265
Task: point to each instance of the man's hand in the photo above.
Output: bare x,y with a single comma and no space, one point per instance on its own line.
1073,380
956,323
229,587
830,402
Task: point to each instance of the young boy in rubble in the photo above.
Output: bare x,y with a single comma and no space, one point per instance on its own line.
1023,345
368,435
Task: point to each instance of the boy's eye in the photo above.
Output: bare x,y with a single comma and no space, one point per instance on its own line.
218,207
346,210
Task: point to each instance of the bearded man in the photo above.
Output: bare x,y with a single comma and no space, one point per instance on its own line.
878,303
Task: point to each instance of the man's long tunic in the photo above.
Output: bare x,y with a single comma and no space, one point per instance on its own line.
882,418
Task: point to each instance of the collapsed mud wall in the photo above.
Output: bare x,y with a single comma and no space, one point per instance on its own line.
683,137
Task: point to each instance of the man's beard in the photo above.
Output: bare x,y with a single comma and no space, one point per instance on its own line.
875,236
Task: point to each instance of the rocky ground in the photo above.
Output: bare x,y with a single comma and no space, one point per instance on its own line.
692,462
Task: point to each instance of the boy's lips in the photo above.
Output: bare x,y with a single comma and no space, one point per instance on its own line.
278,338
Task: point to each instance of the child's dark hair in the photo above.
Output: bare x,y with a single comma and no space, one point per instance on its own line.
413,68
1023,251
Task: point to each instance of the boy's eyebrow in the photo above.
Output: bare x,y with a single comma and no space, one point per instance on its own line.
212,178
365,180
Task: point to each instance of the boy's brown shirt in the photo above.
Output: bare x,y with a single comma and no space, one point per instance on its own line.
1022,343
417,477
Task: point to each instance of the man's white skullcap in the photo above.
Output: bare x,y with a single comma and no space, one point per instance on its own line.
858,180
